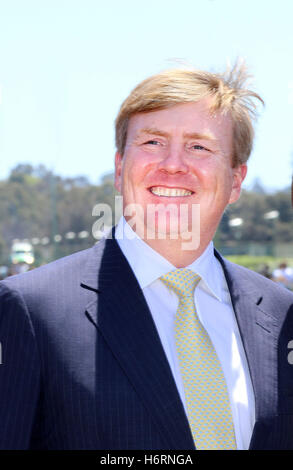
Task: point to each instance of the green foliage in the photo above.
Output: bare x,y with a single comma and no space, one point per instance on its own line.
3,252
35,202
251,208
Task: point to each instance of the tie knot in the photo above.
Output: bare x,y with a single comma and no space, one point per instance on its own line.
181,281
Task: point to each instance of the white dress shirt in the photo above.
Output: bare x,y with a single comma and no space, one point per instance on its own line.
215,311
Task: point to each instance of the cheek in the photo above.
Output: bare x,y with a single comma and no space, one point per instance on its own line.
216,182
208,174
131,178
135,169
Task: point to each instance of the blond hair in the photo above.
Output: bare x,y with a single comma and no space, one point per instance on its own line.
227,93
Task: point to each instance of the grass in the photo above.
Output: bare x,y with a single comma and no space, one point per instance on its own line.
257,263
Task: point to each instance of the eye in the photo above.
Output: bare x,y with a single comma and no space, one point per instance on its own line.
198,147
151,142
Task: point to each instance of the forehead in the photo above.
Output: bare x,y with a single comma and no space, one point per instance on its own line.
183,118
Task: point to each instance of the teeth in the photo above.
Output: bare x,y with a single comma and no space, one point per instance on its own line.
170,192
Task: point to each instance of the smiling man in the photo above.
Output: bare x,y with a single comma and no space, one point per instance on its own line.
151,340
180,156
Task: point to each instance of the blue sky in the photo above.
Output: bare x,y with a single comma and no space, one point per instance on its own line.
66,66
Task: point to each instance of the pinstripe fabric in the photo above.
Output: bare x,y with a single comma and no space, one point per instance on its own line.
19,370
83,396
83,366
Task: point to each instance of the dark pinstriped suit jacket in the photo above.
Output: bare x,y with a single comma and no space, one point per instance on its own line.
83,366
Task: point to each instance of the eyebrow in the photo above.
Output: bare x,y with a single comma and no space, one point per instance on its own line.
199,136
152,130
190,135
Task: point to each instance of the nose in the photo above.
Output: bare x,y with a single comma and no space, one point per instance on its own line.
174,161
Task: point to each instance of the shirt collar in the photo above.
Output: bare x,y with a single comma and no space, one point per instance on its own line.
210,271
148,265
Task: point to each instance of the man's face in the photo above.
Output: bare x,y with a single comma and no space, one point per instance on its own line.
180,156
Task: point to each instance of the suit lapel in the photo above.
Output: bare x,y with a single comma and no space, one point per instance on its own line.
118,309
121,314
258,330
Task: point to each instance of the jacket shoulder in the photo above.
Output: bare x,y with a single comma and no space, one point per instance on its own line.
243,281
50,272
55,286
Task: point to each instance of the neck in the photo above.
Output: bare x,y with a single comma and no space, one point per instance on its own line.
180,251
174,252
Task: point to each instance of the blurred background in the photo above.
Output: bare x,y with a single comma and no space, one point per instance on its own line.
65,68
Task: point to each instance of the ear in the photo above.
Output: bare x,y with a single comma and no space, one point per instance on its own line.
239,174
118,171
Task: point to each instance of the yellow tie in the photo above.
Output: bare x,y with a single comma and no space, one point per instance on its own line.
207,401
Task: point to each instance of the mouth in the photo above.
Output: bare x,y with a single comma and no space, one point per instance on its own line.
163,191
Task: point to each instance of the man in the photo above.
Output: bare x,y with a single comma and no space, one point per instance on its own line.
283,274
150,339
